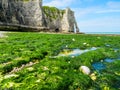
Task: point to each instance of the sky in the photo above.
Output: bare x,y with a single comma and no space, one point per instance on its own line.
92,15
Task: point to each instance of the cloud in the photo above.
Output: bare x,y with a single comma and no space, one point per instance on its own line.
59,3
108,11
88,0
109,7
84,12
90,19
113,4
101,22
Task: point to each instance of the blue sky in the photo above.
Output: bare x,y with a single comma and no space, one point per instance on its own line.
92,15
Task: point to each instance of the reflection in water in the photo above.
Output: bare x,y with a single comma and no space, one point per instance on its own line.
101,65
109,60
116,49
98,66
107,45
75,52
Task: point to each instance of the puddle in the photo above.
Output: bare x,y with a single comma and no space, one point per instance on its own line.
101,65
116,49
98,66
107,45
109,60
75,52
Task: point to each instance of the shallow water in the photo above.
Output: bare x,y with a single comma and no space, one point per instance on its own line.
109,60
101,65
75,52
98,66
107,45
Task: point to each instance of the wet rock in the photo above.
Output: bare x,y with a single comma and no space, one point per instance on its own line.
2,34
10,75
93,76
85,70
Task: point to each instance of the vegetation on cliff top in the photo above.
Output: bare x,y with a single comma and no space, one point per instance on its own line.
53,12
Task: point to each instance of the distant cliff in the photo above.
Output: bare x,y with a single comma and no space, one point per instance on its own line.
29,14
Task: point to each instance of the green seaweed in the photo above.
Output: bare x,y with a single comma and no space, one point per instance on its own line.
57,73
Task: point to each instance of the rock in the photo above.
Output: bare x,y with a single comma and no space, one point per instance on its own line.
10,75
69,22
85,70
73,39
19,12
30,68
93,76
30,15
2,35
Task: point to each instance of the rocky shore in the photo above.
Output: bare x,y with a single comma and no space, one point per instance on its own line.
2,34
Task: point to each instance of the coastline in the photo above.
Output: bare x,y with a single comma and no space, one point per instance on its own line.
80,33
118,33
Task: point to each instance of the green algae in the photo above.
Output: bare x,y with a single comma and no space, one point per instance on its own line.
53,12
57,73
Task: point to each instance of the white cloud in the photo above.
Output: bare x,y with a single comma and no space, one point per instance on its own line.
113,4
83,12
59,3
110,7
101,22
108,11
88,0
106,21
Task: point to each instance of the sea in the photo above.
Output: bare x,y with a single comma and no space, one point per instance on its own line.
118,33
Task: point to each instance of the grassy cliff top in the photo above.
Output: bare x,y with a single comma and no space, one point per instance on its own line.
53,12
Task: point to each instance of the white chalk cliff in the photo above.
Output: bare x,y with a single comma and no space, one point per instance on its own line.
30,15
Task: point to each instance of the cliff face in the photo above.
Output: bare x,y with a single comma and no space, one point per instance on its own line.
63,20
23,13
31,14
69,23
